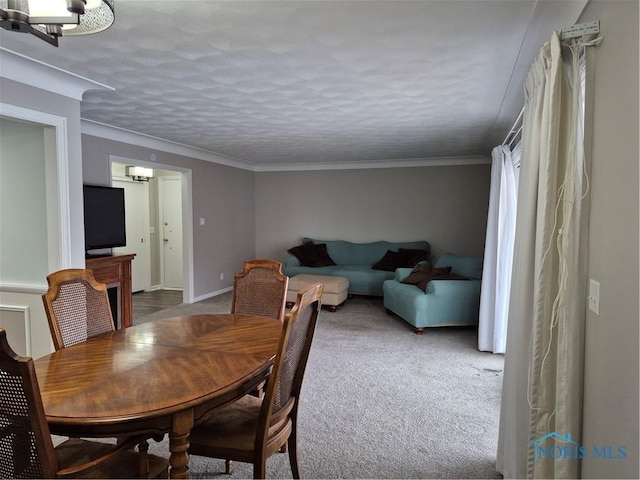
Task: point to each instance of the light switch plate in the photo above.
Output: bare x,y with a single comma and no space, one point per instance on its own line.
594,297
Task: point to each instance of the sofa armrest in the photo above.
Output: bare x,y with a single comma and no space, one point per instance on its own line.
451,288
291,261
402,273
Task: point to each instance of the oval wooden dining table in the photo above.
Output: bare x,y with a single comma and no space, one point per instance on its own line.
157,377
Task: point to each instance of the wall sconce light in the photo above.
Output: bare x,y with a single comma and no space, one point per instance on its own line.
139,174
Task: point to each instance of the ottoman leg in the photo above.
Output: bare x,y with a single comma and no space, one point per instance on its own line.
333,308
289,304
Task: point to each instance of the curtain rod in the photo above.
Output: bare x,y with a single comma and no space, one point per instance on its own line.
515,129
584,30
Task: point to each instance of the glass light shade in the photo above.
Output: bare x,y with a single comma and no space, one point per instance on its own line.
139,173
48,8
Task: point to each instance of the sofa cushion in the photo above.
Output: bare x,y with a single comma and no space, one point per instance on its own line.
363,280
312,254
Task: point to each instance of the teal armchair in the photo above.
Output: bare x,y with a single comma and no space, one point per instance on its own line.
445,302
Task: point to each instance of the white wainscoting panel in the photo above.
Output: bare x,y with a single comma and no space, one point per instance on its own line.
16,320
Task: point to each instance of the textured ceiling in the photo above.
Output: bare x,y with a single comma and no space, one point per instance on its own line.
295,82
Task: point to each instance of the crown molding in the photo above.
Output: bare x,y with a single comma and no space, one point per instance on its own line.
117,134
391,163
20,68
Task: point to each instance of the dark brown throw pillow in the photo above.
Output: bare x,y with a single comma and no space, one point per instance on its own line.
300,251
311,254
421,275
390,261
411,256
422,272
403,258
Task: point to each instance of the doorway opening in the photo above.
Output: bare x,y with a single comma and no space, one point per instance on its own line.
158,227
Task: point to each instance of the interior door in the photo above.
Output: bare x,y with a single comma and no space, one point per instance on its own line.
136,203
171,222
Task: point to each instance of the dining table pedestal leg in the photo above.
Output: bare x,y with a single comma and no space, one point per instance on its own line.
179,444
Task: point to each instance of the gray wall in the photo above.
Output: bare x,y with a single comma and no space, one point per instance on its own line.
611,360
223,195
447,206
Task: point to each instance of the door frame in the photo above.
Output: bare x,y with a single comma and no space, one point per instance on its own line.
187,216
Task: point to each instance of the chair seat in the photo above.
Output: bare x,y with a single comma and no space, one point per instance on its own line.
77,452
232,430
231,427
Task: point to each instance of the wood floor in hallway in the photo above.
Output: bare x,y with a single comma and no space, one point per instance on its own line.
144,303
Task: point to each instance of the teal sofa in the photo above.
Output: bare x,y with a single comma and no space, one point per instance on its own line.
354,261
444,303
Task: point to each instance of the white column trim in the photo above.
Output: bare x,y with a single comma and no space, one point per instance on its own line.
60,256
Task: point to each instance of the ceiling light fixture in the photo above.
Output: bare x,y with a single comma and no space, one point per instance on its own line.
139,174
50,19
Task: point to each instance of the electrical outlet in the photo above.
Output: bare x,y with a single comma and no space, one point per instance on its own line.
221,275
594,297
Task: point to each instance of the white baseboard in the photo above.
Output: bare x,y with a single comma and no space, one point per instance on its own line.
212,294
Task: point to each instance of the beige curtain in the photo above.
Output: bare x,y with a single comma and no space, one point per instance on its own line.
542,387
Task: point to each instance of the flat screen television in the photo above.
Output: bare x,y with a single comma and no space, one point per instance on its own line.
104,217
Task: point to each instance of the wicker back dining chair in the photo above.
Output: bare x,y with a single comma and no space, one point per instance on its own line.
250,430
26,447
260,289
77,307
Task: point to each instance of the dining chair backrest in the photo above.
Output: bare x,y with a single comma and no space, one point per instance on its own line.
26,448
283,388
260,289
77,307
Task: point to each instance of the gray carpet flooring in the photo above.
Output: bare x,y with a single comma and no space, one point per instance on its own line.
379,401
